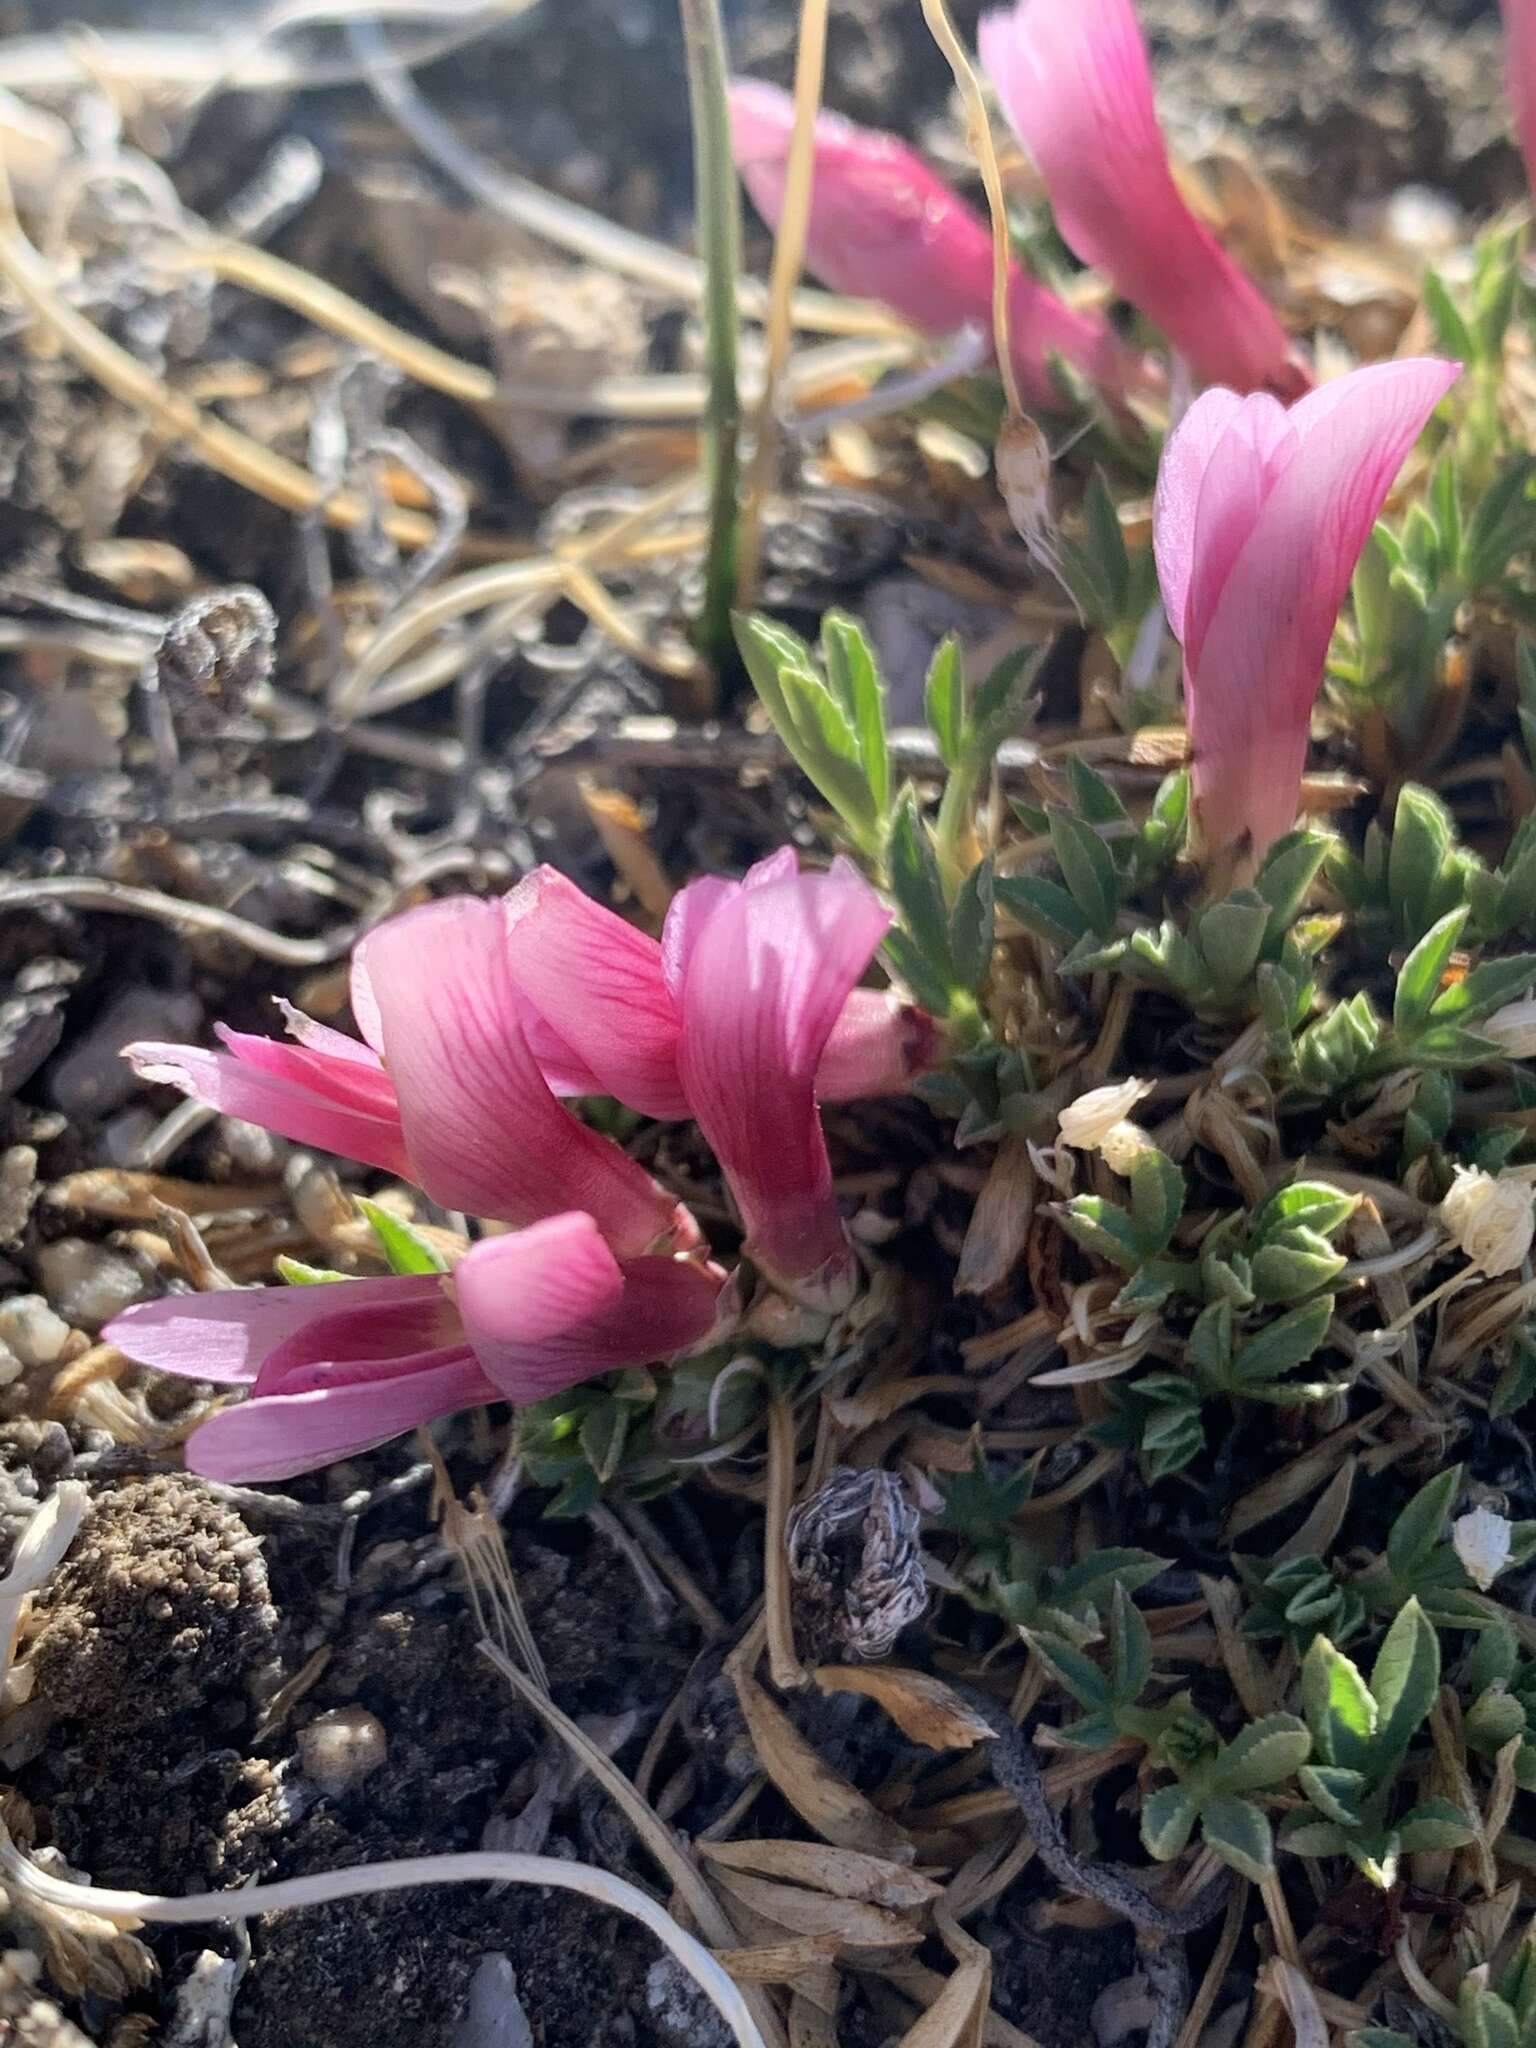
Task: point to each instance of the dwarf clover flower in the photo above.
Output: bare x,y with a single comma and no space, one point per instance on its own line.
1260,516
1074,80
342,1366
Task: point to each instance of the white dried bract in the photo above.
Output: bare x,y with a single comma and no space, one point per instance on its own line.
1491,1218
1481,1540
1100,1122
1513,1029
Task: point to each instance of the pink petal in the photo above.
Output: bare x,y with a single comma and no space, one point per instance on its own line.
483,1131
320,1038
1262,658
285,1089
690,911
764,982
1180,474
878,1045
1520,76
547,1307
597,984
1074,79
1241,472
369,1338
225,1336
364,1009
276,1436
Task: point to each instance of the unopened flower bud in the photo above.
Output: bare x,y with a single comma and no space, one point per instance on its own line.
1482,1541
1491,1218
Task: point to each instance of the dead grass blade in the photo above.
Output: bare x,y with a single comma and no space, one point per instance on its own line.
823,1800
923,1707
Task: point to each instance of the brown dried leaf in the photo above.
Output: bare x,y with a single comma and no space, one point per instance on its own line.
844,1873
809,2026
852,1923
823,1800
779,1962
924,1708
957,2016
994,1240
112,1191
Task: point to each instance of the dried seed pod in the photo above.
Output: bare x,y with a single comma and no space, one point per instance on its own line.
213,658
855,1564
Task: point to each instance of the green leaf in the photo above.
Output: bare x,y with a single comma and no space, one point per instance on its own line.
1210,1343
297,1274
1404,1680
1422,834
1130,1648
1421,1525
1304,1836
998,706
604,1428
1335,1792
1418,980
1157,1199
855,679
1239,1833
1338,1706
1105,1228
1044,906
1492,983
919,893
1074,1668
1285,1343
1093,1579
930,987
1451,330
972,927
1288,871
1316,1204
1167,1818
1092,798
1294,1263
1434,1824
405,1249
1231,936
1486,2021
1262,1754
810,721
946,700
1087,868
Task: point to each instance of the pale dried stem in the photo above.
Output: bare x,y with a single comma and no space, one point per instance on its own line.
788,258
979,135
784,1665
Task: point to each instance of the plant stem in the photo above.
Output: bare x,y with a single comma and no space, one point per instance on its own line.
788,256
717,204
979,135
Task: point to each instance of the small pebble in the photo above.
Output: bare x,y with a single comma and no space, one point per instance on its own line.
340,1748
18,1190
94,1078
30,1329
11,1367
88,1283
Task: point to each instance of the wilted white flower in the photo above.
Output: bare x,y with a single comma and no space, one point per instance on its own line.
1481,1541
1491,1218
1096,1117
1513,1029
1099,1122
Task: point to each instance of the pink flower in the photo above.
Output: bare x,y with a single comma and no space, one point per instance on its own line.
337,1368
447,1093
1260,517
883,226
601,1011
1520,76
761,971
1074,80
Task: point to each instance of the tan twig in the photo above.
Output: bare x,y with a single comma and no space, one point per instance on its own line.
979,135
788,256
